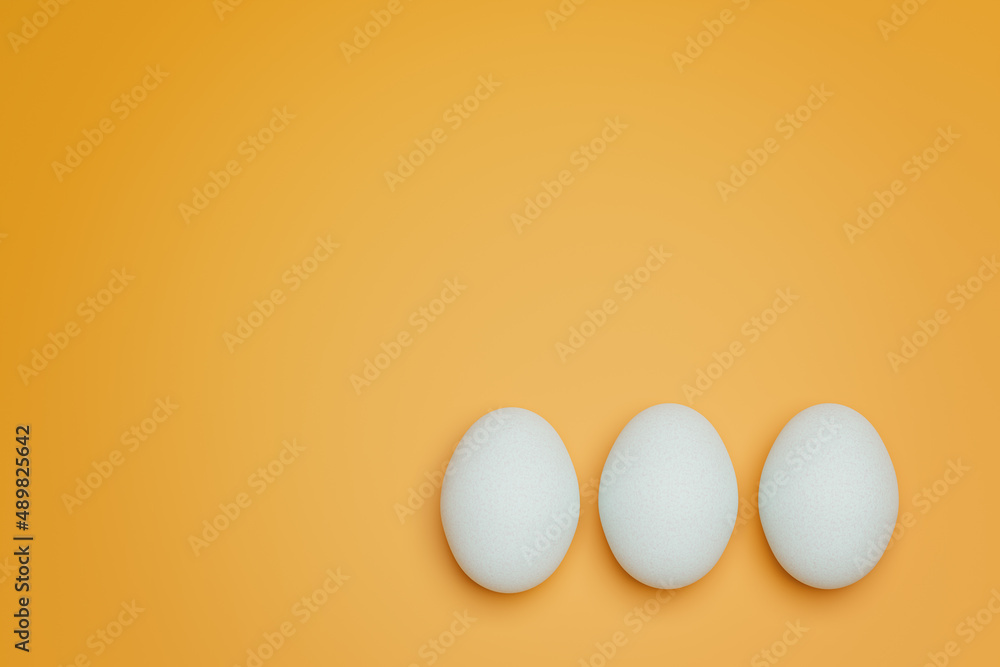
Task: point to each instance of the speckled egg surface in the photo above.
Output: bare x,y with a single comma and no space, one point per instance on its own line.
828,496
510,501
668,497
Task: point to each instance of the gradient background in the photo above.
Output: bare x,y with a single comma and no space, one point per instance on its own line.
366,455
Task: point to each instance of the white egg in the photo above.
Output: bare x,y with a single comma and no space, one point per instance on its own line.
510,501
828,496
668,497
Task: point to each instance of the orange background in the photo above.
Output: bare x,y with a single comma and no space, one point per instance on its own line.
366,455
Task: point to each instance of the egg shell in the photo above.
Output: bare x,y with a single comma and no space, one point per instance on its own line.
510,501
828,496
668,496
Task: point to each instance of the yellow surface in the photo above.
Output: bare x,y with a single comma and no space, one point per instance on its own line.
356,453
